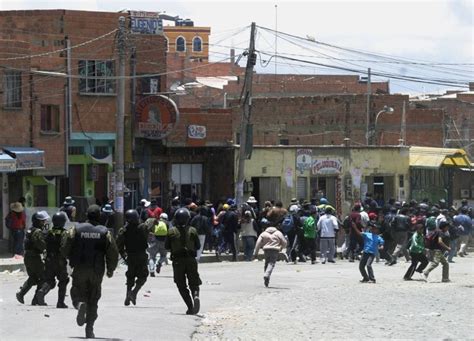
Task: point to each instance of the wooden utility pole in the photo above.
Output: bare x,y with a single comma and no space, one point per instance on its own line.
247,107
119,142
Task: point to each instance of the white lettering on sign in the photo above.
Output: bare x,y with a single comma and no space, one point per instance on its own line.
90,235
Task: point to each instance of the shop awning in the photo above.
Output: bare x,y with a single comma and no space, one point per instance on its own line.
430,157
7,163
26,157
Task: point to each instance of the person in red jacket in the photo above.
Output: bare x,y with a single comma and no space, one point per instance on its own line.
154,211
16,222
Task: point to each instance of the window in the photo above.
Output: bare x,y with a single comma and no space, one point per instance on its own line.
95,77
76,150
12,89
180,44
167,44
197,44
149,85
50,118
101,151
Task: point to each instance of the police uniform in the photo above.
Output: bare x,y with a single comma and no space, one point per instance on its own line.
90,249
132,242
55,265
183,242
34,247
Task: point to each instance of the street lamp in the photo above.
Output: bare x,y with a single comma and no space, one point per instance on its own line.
386,109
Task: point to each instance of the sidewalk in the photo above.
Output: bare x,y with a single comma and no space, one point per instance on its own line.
12,264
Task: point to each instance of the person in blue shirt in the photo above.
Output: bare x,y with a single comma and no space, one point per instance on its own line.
372,243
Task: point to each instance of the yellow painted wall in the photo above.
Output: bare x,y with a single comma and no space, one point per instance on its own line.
188,32
280,162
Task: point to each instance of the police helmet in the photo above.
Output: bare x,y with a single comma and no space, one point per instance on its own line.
93,212
163,216
323,201
132,217
39,218
182,216
59,219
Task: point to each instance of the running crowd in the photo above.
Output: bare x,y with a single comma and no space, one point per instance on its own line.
425,234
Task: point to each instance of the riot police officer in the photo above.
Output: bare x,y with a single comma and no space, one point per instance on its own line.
132,244
34,247
90,249
55,263
183,241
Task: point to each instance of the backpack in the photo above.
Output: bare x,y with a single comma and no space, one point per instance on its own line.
346,224
287,224
431,240
431,223
161,229
309,228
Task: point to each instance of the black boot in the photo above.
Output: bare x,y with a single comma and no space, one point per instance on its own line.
184,292
133,297
128,296
61,297
81,313
20,295
41,293
90,331
196,301
36,301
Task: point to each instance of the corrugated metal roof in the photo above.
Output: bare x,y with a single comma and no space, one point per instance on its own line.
430,157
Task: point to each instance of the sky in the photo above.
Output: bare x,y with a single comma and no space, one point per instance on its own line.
419,31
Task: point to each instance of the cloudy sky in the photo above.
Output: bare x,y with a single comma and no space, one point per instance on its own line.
429,32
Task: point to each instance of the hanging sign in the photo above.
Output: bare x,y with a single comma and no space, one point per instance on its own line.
157,116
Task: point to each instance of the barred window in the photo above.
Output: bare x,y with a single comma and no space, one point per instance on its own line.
101,151
12,89
95,77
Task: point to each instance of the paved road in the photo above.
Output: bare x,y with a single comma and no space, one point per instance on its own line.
303,301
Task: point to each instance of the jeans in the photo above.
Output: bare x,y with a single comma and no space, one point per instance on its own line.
202,240
310,247
18,237
415,259
453,244
401,248
249,246
367,260
271,256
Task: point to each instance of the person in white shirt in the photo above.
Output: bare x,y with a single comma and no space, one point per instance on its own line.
327,228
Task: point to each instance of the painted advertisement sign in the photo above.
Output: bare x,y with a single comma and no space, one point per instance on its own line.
303,159
326,166
157,116
196,132
145,23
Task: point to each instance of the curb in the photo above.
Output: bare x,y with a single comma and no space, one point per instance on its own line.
12,267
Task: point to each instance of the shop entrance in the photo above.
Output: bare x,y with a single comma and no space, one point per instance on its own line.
324,186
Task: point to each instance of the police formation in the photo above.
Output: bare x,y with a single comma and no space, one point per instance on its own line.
91,251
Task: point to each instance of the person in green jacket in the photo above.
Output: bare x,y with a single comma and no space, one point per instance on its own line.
183,242
34,247
417,251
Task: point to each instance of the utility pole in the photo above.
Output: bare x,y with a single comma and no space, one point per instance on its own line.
119,142
403,138
368,118
247,107
67,121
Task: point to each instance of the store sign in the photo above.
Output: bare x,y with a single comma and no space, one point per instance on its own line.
145,23
326,166
303,159
196,132
157,116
